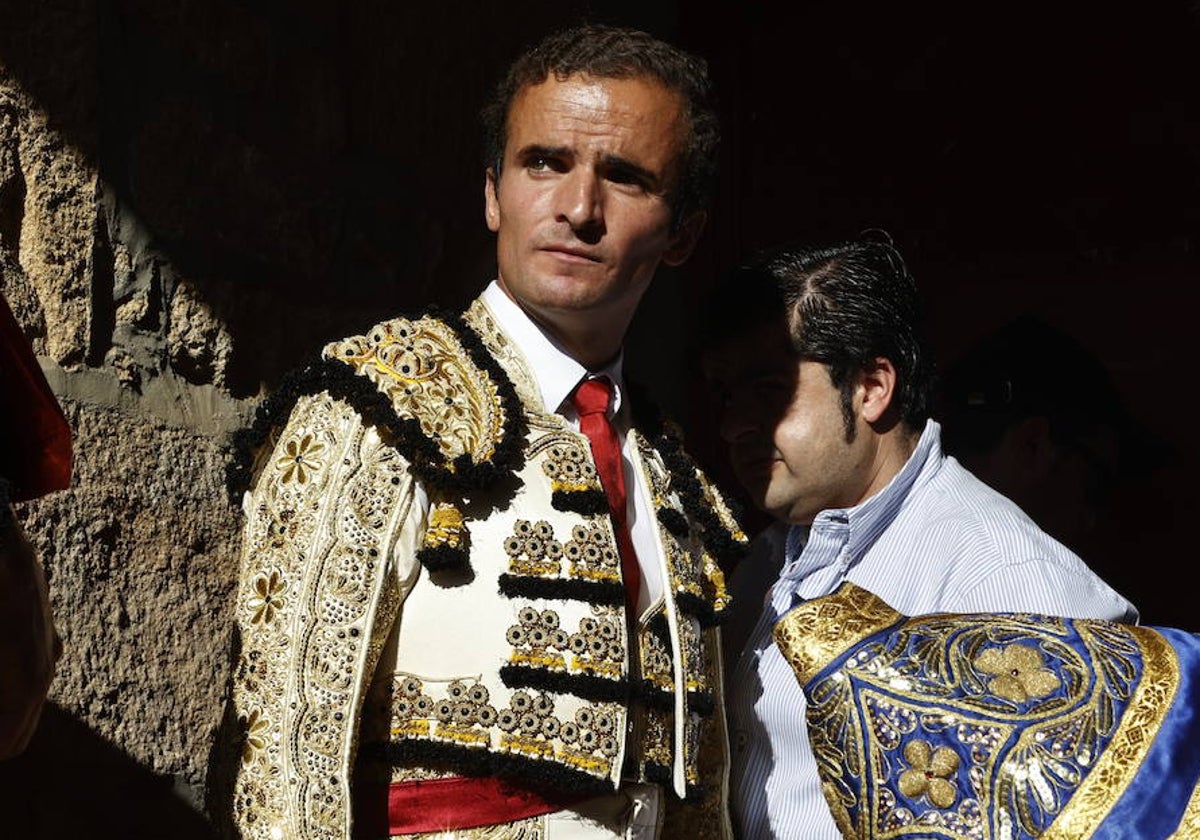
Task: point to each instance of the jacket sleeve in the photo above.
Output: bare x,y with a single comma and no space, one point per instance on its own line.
333,521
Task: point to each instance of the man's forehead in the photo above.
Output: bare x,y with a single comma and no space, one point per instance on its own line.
639,110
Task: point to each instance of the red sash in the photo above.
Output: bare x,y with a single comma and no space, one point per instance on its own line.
449,804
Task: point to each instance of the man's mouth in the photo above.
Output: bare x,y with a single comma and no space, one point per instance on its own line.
571,253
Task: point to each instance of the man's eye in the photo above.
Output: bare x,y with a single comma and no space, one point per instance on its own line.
631,179
544,163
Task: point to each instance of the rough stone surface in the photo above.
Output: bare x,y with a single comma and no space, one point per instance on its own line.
57,233
141,553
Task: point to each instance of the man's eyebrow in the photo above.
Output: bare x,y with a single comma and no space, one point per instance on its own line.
630,168
539,150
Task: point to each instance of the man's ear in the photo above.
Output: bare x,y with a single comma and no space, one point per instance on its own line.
877,384
684,240
491,200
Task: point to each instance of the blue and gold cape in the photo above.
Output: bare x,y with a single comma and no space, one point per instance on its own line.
1004,726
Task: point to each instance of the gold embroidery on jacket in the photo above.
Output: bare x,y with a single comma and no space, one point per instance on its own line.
311,644
428,375
568,468
310,567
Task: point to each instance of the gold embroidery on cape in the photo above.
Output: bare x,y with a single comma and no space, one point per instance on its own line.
814,633
429,376
1129,745
1074,757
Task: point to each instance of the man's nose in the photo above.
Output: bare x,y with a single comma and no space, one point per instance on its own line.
580,201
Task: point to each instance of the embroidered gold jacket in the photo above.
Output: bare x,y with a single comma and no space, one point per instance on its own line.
430,587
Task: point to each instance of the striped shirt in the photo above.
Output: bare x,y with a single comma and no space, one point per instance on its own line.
934,539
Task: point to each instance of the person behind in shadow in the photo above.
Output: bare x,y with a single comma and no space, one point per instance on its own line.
1034,413
35,460
818,362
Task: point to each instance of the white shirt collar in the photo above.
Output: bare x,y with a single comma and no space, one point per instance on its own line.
552,367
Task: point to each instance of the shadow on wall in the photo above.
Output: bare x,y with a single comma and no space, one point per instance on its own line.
70,783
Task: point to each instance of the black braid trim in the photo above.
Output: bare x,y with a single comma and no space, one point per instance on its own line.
587,502
440,558
458,477
694,605
674,521
697,702
661,774
581,685
660,628
594,592
716,538
719,542
701,703
472,761
657,698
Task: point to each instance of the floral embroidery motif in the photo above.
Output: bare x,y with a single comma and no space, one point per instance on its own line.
569,469
300,458
267,599
422,366
598,647
538,639
657,668
930,773
458,716
533,550
532,728
255,725
1019,672
591,554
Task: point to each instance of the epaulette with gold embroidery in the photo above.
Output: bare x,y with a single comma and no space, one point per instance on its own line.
438,396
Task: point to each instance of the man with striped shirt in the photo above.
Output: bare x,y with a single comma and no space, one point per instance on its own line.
824,379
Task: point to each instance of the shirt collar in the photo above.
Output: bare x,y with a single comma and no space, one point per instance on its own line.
551,366
867,520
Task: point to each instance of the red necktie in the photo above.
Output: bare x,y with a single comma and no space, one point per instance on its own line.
591,399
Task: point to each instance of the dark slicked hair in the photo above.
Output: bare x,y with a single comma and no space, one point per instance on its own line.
613,52
846,305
